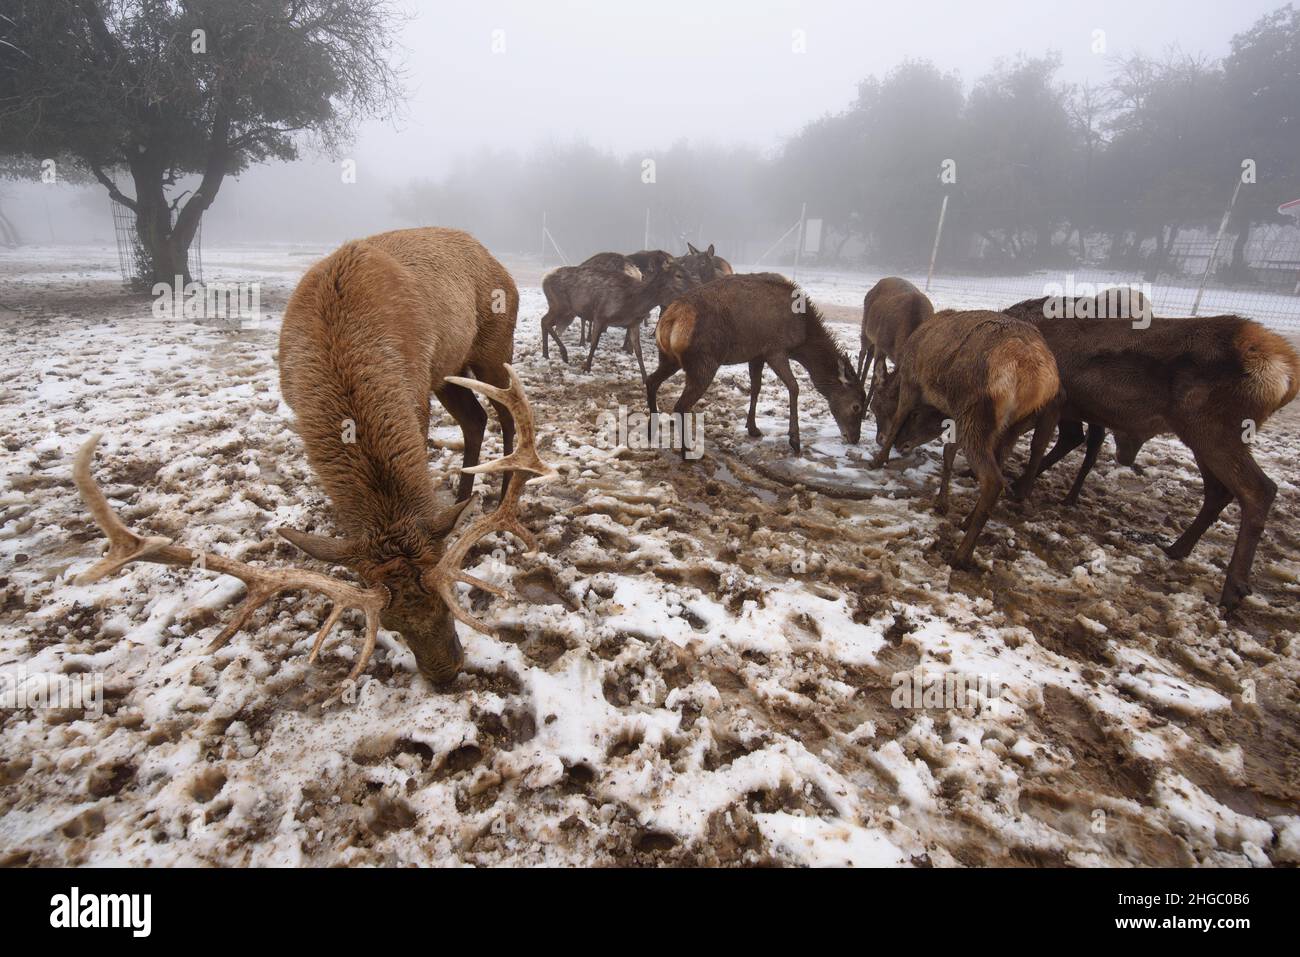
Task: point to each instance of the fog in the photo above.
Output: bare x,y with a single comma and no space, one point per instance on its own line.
633,79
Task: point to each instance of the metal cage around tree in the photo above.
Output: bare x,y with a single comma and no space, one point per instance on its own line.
133,258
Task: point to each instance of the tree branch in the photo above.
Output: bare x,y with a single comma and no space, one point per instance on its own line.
113,191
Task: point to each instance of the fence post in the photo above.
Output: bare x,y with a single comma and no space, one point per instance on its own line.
1214,250
798,246
934,253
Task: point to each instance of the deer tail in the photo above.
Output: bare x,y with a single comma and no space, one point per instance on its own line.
1272,367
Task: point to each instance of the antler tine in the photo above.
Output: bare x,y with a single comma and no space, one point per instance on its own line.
263,584
524,458
505,518
124,546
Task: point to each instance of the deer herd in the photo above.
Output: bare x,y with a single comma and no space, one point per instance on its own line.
380,325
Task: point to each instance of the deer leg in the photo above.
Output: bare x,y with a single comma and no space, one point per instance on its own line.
978,446
909,397
549,321
699,375
667,367
1254,492
949,453
1070,438
1096,436
471,418
755,384
864,358
875,373
1217,497
597,330
635,333
632,338
781,366
1044,425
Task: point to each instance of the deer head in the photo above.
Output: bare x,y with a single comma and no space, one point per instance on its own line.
410,571
924,424
848,400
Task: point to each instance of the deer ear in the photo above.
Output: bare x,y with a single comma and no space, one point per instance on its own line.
441,522
692,249
337,551
710,249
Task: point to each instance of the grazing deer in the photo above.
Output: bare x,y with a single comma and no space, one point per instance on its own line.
755,318
1118,303
370,331
1212,381
891,311
995,377
606,298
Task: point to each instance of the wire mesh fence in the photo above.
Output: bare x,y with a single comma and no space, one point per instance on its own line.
133,258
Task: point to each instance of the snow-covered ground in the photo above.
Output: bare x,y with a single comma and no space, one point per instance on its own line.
704,662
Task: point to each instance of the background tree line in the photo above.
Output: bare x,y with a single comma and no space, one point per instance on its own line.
1045,173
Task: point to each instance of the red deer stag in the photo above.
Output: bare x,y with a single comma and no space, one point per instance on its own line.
368,334
755,318
891,311
995,377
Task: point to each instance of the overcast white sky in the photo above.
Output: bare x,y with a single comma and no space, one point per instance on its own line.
632,75
628,75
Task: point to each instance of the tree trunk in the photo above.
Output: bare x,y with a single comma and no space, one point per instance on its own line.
164,254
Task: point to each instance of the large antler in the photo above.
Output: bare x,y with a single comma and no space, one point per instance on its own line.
505,518
263,584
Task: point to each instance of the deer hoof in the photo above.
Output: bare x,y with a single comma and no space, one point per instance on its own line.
753,432
1178,552
1233,593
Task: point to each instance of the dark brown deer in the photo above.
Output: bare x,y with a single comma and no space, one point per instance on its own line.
1210,381
1117,303
891,311
755,318
607,298
368,334
704,265
641,265
995,377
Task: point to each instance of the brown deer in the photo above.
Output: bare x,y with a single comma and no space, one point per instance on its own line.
368,334
891,311
640,265
995,377
755,318
704,265
1118,303
607,298
1211,381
